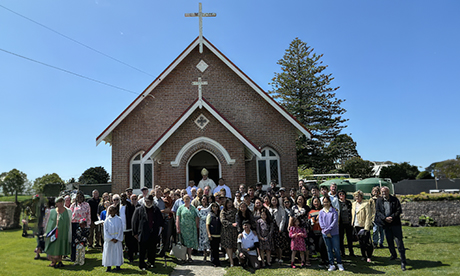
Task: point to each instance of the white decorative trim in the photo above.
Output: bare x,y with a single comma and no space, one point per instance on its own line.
216,115
202,66
198,140
201,121
151,87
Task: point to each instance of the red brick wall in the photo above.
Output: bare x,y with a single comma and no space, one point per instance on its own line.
231,96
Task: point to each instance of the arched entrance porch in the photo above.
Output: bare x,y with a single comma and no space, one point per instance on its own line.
203,159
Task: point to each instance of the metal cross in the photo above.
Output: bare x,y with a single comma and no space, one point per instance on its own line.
200,15
199,83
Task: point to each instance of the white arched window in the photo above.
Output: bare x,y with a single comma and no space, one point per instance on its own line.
141,174
268,167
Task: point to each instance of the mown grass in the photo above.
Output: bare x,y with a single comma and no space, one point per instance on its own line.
17,258
11,198
430,251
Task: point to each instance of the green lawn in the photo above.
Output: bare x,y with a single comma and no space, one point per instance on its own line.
430,251
11,198
17,258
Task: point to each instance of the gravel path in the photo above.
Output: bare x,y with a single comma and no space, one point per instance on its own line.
198,268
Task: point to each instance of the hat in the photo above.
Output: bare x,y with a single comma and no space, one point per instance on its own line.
204,171
259,184
282,189
59,199
149,197
129,190
144,188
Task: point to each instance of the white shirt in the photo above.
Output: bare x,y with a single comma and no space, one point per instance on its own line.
189,190
248,240
228,193
203,183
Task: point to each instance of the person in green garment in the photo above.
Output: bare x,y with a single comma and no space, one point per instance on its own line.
187,224
60,216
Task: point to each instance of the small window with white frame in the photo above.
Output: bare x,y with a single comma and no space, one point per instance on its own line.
268,167
141,174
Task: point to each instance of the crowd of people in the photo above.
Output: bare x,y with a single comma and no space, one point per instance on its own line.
254,228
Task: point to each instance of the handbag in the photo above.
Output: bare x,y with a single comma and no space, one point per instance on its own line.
53,234
178,250
355,235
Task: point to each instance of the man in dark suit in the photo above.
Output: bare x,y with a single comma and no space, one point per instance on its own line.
147,222
388,215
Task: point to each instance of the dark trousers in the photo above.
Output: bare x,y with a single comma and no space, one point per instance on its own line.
166,235
365,243
392,233
131,245
252,260
320,246
74,248
346,229
94,230
149,246
215,242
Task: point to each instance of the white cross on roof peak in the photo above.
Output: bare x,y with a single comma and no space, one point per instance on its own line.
200,15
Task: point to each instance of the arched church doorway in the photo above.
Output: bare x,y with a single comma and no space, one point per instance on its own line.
200,160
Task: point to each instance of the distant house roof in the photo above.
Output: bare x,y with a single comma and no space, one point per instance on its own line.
106,134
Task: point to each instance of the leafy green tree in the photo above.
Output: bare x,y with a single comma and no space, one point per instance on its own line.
40,182
424,175
341,149
13,182
358,168
447,169
303,89
94,175
398,172
304,173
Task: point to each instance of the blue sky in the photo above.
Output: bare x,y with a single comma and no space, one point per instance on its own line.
396,62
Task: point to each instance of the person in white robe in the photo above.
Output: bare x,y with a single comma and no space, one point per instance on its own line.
113,238
206,180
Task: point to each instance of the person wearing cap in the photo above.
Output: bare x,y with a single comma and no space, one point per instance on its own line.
59,217
145,192
281,195
147,223
222,185
272,190
259,192
247,243
206,180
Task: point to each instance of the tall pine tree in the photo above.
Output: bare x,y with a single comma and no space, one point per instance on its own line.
304,90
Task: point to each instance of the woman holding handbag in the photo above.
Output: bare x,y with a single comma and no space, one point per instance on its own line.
59,233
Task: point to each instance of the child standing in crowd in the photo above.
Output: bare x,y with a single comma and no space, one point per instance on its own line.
264,227
297,235
80,241
113,237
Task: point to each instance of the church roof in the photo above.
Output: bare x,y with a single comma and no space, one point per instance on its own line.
106,134
199,103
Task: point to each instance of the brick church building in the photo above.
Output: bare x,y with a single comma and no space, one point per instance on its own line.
202,112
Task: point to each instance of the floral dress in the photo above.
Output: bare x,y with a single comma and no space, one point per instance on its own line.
298,242
203,240
302,214
265,231
229,233
188,225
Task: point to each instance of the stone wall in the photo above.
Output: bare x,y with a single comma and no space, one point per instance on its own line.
9,215
444,213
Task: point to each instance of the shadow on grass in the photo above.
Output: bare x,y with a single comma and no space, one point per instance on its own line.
421,264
